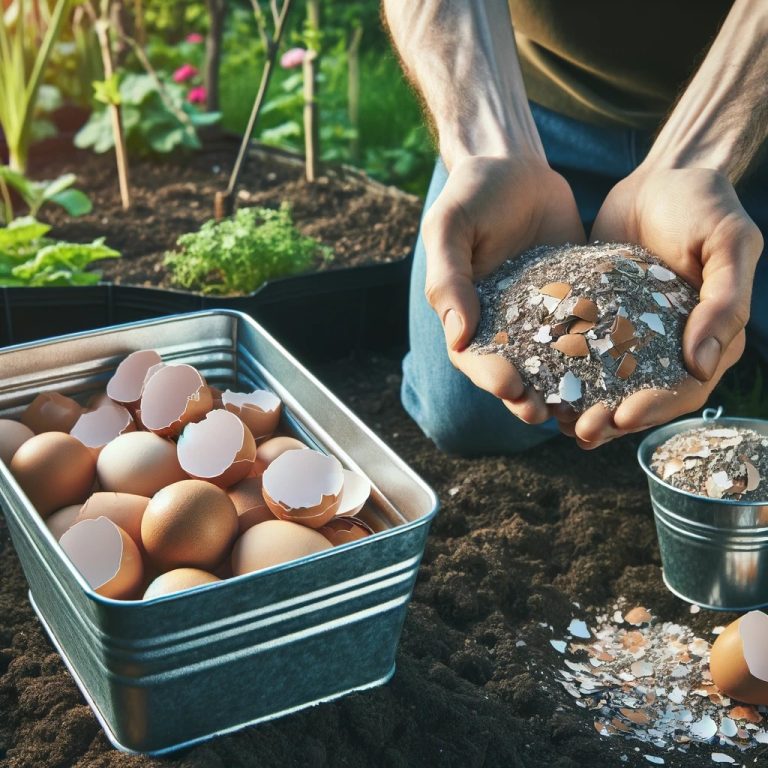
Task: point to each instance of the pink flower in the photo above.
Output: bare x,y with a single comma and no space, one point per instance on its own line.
184,72
292,58
197,95
195,37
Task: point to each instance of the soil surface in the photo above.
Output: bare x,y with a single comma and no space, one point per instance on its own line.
521,547
361,220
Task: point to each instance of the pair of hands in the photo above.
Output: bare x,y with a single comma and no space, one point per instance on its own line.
492,208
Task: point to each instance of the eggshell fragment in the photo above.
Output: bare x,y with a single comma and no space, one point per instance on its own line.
739,659
140,463
354,494
13,434
249,503
304,487
62,520
343,530
51,412
106,556
269,450
190,523
275,542
54,470
174,396
123,509
95,429
177,580
572,345
259,410
127,382
220,449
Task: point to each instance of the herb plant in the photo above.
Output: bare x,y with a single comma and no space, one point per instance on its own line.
28,258
37,193
238,254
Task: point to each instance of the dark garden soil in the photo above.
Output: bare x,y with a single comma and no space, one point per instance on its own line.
521,546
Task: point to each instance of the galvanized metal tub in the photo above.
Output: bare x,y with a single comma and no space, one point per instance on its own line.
714,552
166,673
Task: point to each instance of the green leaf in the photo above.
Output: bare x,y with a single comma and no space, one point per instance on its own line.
73,201
52,188
20,232
60,255
135,88
107,91
201,119
96,134
19,182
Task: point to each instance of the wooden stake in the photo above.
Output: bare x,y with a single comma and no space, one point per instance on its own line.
310,117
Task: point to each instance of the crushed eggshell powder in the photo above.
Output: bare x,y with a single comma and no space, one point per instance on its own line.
586,324
718,462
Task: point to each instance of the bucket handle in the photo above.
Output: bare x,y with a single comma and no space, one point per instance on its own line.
712,414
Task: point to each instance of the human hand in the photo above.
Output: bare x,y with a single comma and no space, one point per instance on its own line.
490,209
692,219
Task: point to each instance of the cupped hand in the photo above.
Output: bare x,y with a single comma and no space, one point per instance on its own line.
692,219
492,208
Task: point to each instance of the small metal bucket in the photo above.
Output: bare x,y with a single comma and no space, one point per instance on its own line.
714,552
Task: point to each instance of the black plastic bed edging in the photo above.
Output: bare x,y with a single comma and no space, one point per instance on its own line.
319,317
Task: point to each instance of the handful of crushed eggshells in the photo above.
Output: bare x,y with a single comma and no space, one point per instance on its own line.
164,483
586,324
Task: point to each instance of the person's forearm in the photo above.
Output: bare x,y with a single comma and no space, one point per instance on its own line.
722,117
462,58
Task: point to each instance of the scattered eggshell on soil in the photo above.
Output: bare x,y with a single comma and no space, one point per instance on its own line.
355,493
219,449
572,345
269,450
259,410
178,580
304,487
51,412
123,509
127,382
343,530
739,659
275,542
140,463
13,434
637,616
106,556
94,429
174,396
62,520
54,470
249,503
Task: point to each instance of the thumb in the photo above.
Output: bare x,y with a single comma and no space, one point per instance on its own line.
730,256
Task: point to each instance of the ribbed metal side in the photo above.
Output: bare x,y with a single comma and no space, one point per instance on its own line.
182,668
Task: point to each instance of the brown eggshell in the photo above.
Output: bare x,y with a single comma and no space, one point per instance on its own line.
13,434
140,463
571,345
51,412
94,429
249,503
343,530
259,410
123,509
178,580
190,523
303,487
274,542
354,494
62,520
54,470
106,556
174,396
270,449
127,382
219,449
739,659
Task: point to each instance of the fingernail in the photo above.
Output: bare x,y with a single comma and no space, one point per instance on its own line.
708,356
452,327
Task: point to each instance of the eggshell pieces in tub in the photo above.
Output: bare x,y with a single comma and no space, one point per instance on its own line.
343,530
106,556
94,429
178,580
304,487
13,434
219,449
275,542
127,383
354,494
259,410
739,659
174,396
51,412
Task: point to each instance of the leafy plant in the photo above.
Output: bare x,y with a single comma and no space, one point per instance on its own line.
21,74
238,254
28,258
155,121
37,193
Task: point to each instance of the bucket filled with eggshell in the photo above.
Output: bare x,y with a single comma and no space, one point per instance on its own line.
708,481
195,513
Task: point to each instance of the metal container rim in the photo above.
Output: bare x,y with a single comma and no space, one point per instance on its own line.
655,438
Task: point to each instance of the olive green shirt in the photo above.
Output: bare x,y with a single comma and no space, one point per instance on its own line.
613,62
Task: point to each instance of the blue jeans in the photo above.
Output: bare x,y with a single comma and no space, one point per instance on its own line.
456,415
